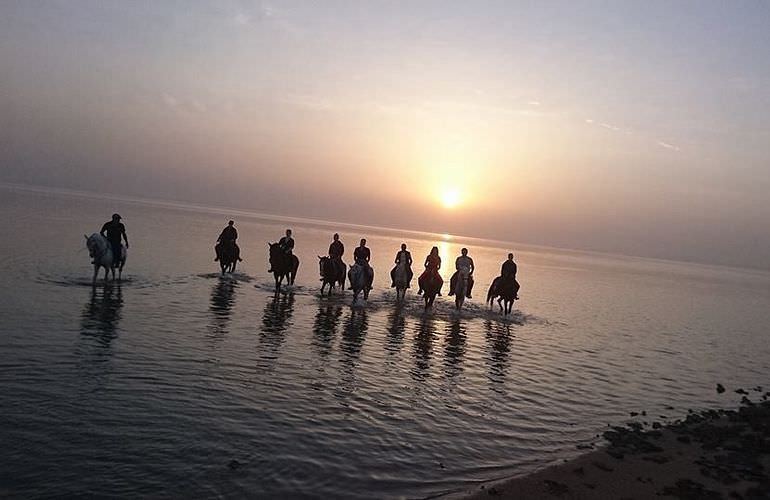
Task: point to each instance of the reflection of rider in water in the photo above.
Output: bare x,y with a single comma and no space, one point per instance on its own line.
336,251
432,265
115,230
362,256
226,238
508,273
406,257
463,264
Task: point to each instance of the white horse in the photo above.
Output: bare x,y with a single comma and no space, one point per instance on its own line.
401,277
100,251
359,280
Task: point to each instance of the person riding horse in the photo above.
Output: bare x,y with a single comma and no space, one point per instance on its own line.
402,256
432,265
463,264
362,256
115,230
508,273
336,251
227,239
286,244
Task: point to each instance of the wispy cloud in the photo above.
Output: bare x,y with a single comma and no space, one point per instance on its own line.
668,146
309,102
170,100
241,19
534,103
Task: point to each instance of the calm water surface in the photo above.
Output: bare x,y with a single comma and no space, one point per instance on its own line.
155,386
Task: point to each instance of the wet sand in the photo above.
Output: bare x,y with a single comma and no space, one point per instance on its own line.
709,455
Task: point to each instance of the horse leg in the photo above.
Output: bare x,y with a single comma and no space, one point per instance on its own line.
96,273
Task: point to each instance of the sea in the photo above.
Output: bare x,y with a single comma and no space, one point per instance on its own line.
180,382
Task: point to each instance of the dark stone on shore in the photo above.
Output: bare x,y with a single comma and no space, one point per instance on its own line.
556,488
687,489
741,391
720,388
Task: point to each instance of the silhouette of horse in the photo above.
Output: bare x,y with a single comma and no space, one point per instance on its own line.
100,251
402,277
331,273
431,284
461,288
506,291
228,257
359,280
284,266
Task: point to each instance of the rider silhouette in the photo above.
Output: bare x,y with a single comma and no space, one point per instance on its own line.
115,230
508,273
227,237
336,251
362,256
465,265
432,265
402,255
286,243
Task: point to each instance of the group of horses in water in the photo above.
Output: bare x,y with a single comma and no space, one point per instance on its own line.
284,266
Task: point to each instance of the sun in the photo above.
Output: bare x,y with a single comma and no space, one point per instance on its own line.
450,198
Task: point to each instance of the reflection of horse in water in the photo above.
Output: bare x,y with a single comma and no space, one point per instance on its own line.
498,338
332,273
284,265
356,325
325,325
454,346
507,290
423,346
360,278
222,301
402,276
228,254
102,313
277,313
100,251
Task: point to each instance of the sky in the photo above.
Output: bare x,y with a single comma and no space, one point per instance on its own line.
639,128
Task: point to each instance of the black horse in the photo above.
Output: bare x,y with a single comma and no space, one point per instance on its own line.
431,284
505,291
284,265
332,272
228,254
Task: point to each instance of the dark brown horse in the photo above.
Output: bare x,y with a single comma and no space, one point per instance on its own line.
506,292
331,273
284,265
431,284
228,256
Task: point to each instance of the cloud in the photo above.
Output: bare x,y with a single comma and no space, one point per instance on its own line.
534,103
241,19
668,146
170,100
309,102
588,120
609,127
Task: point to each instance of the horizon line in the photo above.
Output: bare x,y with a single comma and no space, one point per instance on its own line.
248,212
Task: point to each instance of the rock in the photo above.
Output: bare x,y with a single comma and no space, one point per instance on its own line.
720,388
740,391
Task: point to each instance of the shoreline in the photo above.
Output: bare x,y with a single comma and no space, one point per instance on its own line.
707,455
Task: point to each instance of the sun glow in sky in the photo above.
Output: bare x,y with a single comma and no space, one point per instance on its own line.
450,198
542,122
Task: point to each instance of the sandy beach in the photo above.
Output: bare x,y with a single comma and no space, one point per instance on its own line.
709,455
